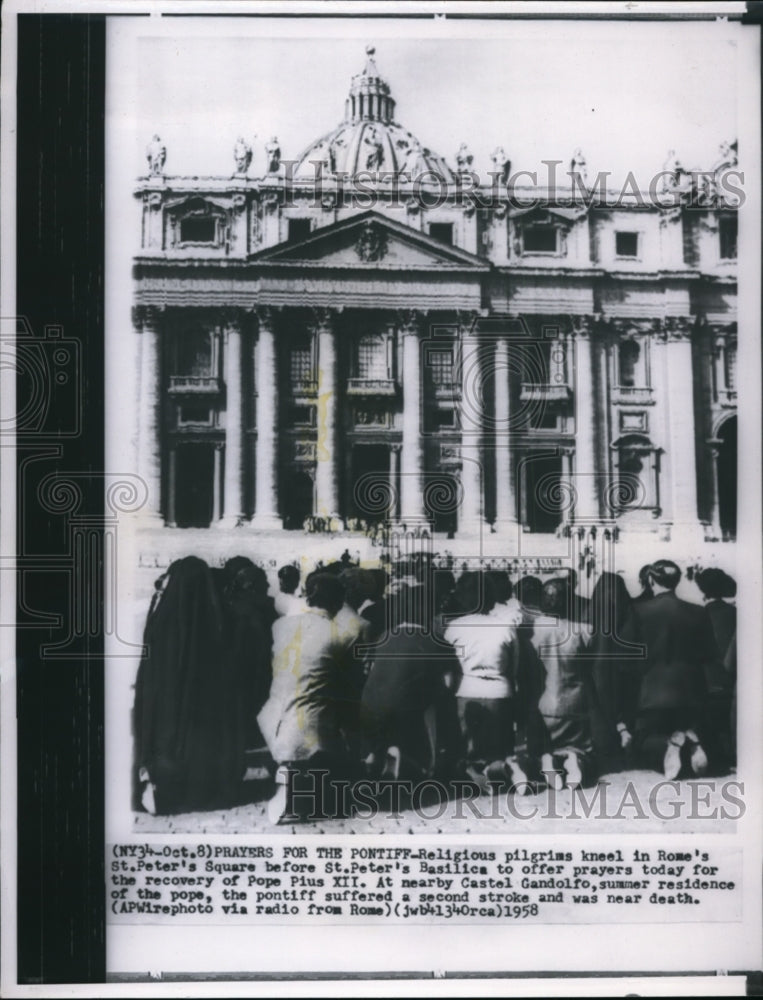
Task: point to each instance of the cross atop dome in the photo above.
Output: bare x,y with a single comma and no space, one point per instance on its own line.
370,98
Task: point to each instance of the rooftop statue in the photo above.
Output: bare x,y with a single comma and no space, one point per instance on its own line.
156,154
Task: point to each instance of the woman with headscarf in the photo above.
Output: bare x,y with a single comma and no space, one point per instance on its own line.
614,693
187,754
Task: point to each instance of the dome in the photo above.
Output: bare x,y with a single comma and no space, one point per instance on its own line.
369,140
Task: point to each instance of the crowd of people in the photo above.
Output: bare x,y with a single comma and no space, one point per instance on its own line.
418,674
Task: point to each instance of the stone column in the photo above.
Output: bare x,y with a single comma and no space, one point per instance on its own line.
146,322
326,458
472,403
715,517
216,484
586,471
266,457
171,486
233,491
680,401
412,452
505,493
567,481
394,481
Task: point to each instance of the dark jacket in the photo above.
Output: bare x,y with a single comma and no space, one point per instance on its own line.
679,652
406,702
723,618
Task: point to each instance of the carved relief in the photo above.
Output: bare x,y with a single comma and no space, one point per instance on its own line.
371,244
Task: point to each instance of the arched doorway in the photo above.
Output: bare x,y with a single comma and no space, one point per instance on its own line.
727,478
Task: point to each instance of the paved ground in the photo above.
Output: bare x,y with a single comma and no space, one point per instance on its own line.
626,802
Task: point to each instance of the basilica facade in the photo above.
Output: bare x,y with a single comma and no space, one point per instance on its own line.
372,335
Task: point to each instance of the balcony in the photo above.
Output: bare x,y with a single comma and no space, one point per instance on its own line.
304,387
632,394
194,385
371,387
536,392
446,390
727,398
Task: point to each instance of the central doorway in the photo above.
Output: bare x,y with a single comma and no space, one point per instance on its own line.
542,496
194,485
371,495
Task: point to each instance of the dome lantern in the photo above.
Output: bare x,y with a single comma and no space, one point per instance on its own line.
369,139
369,99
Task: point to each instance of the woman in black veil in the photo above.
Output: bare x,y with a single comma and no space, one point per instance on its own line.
248,614
188,746
613,700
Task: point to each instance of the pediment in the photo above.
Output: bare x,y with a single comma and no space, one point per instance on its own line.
370,240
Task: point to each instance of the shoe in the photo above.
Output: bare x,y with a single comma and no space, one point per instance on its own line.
671,765
552,776
278,805
496,773
574,776
148,799
520,783
369,765
698,758
391,769
477,776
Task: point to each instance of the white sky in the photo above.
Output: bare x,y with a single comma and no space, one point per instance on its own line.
625,93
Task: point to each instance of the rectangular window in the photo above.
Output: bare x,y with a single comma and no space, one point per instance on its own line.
198,229
372,357
194,413
299,229
302,416
730,368
193,353
442,231
540,239
537,362
626,244
544,418
440,420
727,232
301,364
441,365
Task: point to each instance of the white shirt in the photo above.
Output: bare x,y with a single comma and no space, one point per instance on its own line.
480,642
509,613
289,604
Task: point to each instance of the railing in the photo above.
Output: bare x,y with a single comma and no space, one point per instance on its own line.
196,385
727,397
446,390
532,392
371,387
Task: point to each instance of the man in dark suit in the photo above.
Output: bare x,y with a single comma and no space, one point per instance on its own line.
408,715
679,647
